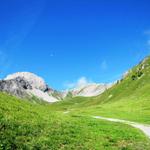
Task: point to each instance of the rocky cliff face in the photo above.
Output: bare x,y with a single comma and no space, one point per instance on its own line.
16,86
25,84
35,81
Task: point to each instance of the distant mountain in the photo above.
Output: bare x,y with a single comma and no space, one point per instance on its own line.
91,89
26,84
128,95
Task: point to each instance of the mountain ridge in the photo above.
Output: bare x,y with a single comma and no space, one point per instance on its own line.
128,98
27,84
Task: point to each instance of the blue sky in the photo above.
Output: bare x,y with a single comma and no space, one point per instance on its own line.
68,41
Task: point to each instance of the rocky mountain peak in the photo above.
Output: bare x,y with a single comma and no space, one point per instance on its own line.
15,86
34,81
26,84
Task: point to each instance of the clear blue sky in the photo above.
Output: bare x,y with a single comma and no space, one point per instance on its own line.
64,40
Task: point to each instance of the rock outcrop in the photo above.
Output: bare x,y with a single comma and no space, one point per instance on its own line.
15,86
35,81
26,84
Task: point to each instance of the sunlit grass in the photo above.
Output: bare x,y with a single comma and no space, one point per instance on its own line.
26,125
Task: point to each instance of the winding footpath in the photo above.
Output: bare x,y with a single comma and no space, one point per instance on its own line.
144,128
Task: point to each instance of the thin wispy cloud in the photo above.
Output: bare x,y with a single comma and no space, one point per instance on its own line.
81,82
4,62
104,65
51,55
3,59
147,32
148,42
16,36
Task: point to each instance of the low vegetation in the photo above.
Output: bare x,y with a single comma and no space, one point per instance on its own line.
32,124
128,99
28,125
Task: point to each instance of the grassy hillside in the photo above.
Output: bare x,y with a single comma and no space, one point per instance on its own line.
27,125
127,99
32,124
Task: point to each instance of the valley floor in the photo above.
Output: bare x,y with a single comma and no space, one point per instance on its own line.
29,125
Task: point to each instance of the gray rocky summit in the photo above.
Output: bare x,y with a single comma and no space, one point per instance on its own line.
26,84
16,86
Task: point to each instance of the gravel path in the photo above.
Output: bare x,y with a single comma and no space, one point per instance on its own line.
144,128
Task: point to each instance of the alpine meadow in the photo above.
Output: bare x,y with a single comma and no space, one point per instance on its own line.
75,75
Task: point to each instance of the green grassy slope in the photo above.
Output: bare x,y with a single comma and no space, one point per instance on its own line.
129,99
27,125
